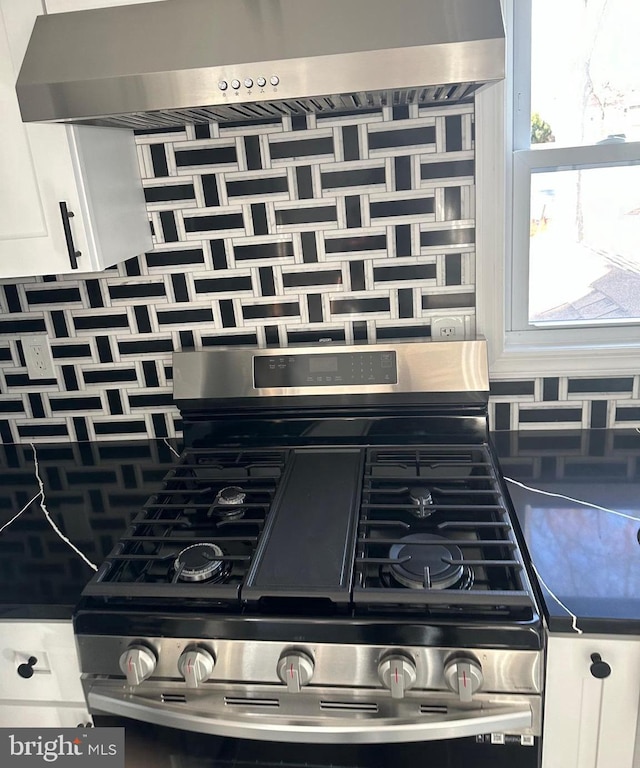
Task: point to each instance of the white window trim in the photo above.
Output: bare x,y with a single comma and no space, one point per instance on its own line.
610,350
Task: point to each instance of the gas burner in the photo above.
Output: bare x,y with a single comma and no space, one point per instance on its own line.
227,503
422,500
427,566
231,495
198,563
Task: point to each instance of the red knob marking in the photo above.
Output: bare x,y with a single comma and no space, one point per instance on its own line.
291,670
396,674
464,678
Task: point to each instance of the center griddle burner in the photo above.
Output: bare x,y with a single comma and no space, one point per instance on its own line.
228,501
422,500
428,564
199,563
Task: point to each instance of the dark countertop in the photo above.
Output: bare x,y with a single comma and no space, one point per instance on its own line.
590,559
92,491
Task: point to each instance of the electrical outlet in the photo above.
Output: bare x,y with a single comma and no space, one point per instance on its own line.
447,329
37,355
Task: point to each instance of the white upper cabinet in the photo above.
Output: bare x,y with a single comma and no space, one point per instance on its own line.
70,196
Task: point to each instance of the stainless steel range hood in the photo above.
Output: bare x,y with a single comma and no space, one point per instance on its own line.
183,61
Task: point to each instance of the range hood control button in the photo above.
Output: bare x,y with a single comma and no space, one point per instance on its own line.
248,82
235,84
137,663
397,672
222,85
261,82
274,79
464,676
295,669
196,666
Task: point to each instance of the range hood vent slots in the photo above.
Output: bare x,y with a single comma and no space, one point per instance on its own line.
173,62
277,109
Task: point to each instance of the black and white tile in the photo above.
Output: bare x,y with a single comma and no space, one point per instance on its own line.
356,227
565,403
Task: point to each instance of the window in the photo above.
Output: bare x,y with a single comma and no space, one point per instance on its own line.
563,237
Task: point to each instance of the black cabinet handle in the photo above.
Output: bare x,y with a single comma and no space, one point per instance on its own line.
26,670
68,234
599,668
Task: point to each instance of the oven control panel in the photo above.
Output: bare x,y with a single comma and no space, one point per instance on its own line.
325,370
298,667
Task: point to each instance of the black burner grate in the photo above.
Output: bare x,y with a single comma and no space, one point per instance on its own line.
435,536
220,498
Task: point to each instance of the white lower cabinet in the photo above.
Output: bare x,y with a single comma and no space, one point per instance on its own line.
42,716
40,675
591,721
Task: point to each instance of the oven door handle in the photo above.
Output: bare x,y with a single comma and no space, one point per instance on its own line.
458,724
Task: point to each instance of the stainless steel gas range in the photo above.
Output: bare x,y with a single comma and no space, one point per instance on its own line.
333,561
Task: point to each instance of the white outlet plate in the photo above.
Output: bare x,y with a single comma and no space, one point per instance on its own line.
37,355
447,329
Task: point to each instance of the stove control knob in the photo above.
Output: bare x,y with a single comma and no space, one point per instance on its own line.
397,672
295,669
196,666
464,676
137,663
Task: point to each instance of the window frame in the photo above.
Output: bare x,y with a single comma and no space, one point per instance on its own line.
504,163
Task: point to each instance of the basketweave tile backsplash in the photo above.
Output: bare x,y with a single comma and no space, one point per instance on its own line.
357,227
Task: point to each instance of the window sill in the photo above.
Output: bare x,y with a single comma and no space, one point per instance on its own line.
517,356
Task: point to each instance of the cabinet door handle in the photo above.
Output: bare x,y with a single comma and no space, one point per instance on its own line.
26,670
599,668
68,234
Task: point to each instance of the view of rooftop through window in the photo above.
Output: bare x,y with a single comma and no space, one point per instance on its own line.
584,259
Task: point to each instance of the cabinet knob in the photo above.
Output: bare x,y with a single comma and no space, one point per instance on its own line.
599,668
26,670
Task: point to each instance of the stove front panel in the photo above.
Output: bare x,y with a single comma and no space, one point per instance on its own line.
348,694
346,666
